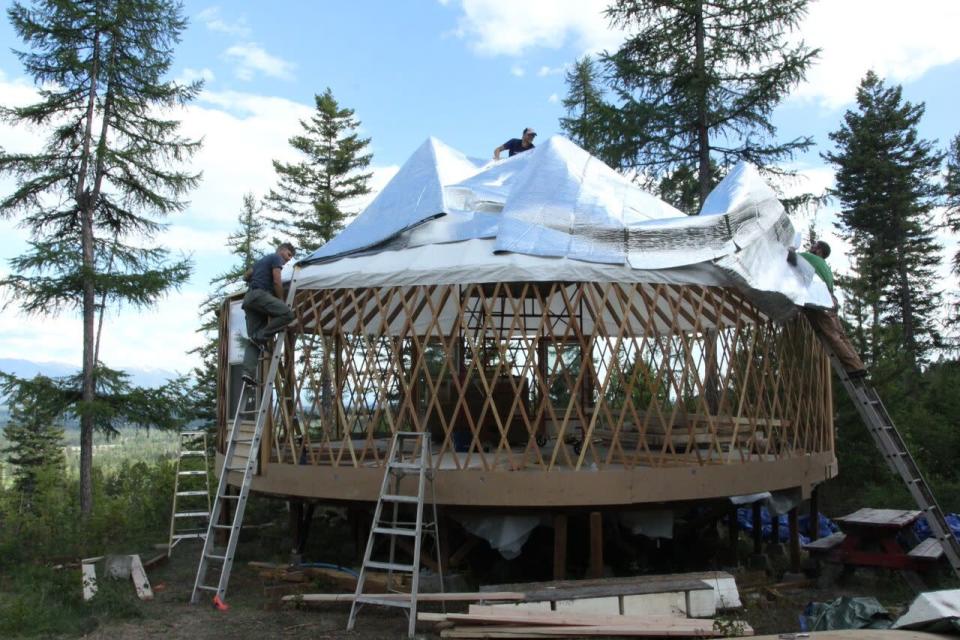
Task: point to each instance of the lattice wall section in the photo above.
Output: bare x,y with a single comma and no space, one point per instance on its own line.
551,375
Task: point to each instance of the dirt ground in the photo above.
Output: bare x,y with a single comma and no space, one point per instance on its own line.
255,612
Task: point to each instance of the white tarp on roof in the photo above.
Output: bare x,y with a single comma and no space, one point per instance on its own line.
558,214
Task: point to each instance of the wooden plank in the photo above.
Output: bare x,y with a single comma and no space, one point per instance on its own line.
929,549
421,597
89,574
825,544
894,518
140,582
704,630
480,614
575,589
609,606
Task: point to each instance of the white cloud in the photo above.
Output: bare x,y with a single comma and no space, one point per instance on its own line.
553,99
252,58
189,75
517,70
210,17
897,41
508,27
552,71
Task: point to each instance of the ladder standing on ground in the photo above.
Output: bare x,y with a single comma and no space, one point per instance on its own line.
240,456
895,452
401,462
191,496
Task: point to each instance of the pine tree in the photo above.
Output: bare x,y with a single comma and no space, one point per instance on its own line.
588,114
312,194
245,243
887,186
695,84
92,197
34,431
952,189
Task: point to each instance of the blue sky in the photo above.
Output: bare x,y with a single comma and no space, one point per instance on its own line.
472,73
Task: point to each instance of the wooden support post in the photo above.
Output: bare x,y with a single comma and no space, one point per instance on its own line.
733,533
774,528
814,528
757,529
596,545
560,546
296,521
794,540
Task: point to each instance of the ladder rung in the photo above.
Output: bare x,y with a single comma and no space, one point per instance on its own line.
410,466
192,514
188,536
388,566
243,441
223,526
228,497
207,588
403,499
236,468
191,493
213,556
394,531
385,602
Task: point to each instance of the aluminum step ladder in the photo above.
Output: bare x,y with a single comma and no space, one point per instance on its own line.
190,515
401,461
898,458
241,456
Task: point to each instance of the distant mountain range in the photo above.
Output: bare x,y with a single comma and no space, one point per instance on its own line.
141,377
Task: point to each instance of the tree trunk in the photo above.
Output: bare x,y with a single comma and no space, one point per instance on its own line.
906,313
703,131
85,206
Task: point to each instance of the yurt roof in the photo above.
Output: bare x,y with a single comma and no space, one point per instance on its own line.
556,213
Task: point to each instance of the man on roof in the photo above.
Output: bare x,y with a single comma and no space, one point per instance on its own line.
266,312
517,145
826,322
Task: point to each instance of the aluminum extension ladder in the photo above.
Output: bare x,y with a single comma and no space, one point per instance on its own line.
895,452
244,435
401,462
189,519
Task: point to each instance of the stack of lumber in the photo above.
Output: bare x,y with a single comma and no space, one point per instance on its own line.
497,622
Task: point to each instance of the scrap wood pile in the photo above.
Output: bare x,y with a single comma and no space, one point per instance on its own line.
507,622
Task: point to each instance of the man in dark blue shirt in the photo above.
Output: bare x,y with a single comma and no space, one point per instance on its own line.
517,145
266,312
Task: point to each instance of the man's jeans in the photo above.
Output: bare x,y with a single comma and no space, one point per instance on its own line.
266,315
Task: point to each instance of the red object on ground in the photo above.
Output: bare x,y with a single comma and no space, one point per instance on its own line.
219,604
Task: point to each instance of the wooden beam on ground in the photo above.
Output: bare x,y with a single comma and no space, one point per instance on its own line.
493,596
480,614
703,630
596,545
560,546
140,582
89,574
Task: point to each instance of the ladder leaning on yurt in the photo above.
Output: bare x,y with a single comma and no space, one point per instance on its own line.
890,443
247,434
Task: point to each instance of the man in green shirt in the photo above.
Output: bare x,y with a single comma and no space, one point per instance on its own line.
826,322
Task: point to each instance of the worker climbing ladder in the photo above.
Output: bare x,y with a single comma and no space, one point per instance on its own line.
189,519
401,462
240,456
895,452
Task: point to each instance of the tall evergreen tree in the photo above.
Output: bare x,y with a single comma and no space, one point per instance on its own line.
887,185
696,81
312,194
246,244
952,189
586,109
92,197
34,431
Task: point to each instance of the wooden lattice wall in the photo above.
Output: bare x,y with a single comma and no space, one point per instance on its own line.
545,376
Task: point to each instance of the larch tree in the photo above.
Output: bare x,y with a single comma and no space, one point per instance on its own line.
312,195
93,197
952,189
588,115
695,83
887,184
